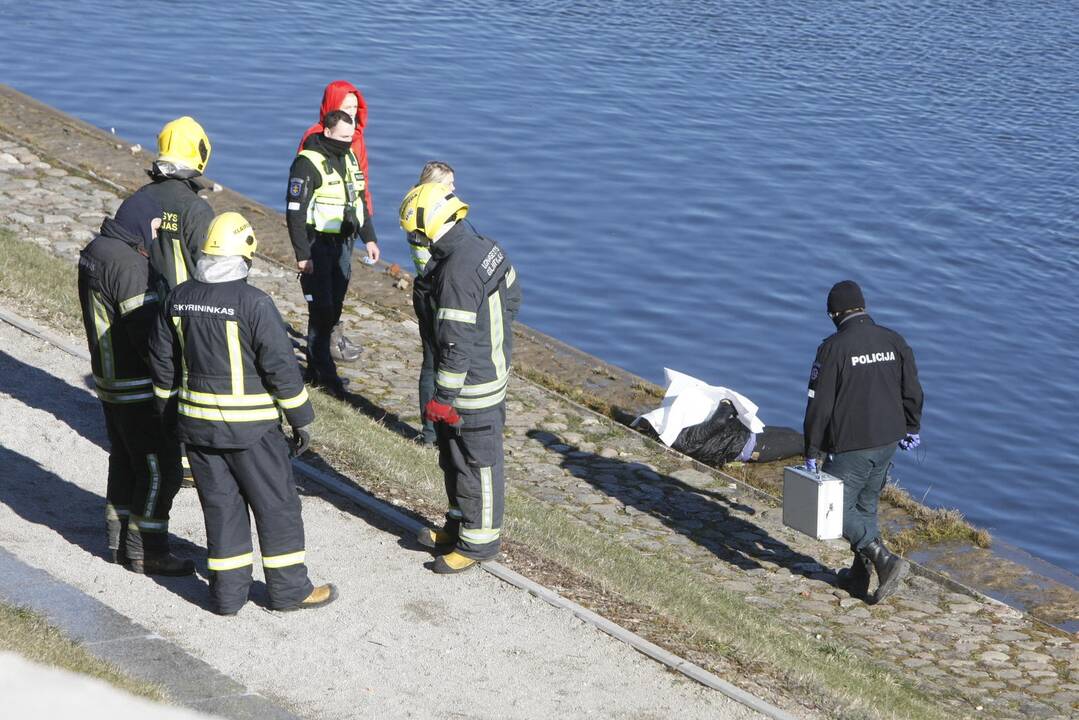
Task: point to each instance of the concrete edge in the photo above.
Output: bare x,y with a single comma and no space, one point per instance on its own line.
133,649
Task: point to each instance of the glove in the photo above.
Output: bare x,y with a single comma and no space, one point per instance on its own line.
440,412
301,440
811,464
911,441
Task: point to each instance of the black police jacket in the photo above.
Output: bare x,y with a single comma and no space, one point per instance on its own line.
185,220
863,389
118,309
223,366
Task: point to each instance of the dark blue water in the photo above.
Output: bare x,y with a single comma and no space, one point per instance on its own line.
680,182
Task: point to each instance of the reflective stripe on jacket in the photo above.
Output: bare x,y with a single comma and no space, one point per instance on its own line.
222,361
117,311
474,296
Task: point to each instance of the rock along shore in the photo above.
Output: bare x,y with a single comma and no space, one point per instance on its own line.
966,649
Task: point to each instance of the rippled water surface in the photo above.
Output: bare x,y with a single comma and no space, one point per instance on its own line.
680,183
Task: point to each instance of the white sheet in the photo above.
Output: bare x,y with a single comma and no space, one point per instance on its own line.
690,401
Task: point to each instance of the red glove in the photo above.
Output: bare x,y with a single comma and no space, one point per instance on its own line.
440,412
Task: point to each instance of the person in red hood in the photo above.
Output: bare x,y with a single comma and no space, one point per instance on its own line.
343,95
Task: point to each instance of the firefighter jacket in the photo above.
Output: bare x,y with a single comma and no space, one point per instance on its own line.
863,389
184,222
471,296
222,365
118,308
326,191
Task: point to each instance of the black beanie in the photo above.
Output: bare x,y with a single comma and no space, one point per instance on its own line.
843,296
136,213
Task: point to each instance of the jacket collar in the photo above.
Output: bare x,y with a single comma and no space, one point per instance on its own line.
854,320
456,236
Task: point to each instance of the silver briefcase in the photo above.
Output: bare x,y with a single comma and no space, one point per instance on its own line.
813,503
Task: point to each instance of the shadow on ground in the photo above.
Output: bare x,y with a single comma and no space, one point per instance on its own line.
707,517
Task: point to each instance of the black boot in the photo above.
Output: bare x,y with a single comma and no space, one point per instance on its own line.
855,580
891,569
158,563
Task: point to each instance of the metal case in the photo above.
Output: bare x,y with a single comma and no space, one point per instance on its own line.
813,503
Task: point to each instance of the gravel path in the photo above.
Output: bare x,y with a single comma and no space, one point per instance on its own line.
401,642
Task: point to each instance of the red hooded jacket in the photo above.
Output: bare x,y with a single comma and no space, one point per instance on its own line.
332,98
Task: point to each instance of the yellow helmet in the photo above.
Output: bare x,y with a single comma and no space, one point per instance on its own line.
427,207
230,234
184,142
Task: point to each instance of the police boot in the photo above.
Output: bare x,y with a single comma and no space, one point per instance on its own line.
891,569
161,563
321,596
341,348
453,562
855,580
435,538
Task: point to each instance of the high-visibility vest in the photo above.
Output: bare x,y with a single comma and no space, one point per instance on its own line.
331,200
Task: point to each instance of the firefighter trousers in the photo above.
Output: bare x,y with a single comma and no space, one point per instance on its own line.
473,467
144,476
233,483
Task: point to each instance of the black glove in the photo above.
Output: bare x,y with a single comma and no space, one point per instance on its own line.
301,440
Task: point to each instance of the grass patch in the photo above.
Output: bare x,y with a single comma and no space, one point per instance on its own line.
677,606
28,634
39,285
930,525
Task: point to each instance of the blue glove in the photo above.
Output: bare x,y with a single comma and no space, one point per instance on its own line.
811,464
911,441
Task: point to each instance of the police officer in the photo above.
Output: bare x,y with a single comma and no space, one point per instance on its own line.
864,396
325,212
224,371
471,294
183,150
118,308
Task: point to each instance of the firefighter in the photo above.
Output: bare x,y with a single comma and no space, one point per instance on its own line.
183,150
118,309
325,212
470,297
223,370
864,399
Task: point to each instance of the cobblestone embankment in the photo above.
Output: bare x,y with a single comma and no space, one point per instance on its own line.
974,654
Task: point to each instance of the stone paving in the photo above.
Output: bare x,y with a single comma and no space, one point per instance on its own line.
978,656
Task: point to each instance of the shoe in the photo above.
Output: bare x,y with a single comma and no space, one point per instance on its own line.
856,579
891,569
334,386
341,348
321,596
434,538
453,562
165,564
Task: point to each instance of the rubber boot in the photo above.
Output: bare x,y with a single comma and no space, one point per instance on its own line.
341,348
855,580
161,563
891,569
117,530
148,554
435,538
321,596
452,563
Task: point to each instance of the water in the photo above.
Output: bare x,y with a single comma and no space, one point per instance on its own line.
680,183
